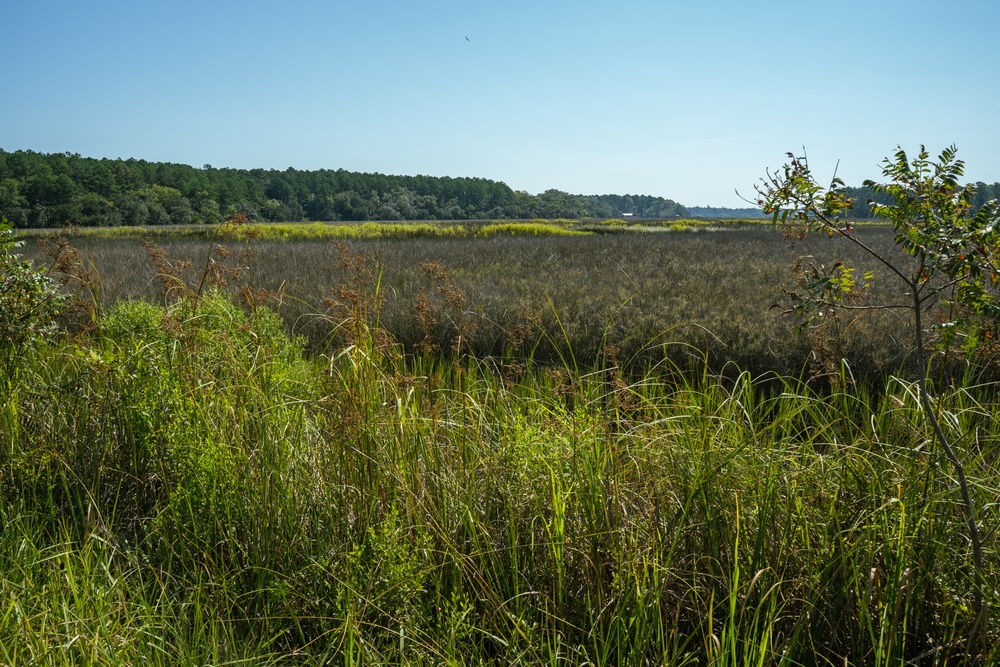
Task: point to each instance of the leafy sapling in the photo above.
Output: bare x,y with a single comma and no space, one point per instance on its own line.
955,268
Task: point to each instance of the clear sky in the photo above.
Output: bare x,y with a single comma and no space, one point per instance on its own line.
685,100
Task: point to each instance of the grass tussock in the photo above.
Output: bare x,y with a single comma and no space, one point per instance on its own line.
319,231
541,228
187,482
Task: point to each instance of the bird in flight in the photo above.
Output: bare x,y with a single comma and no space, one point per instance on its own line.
467,39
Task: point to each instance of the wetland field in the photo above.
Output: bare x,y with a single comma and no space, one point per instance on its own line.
537,445
552,296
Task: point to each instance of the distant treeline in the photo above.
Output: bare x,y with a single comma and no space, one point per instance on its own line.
717,212
861,196
46,190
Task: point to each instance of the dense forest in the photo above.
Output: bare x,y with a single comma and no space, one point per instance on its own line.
46,190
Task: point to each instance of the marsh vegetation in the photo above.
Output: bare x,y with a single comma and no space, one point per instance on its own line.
551,297
508,450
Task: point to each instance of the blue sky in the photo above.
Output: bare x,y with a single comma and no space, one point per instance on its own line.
685,100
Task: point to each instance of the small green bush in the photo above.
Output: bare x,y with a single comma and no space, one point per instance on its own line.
29,300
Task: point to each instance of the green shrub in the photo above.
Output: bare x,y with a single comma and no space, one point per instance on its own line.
29,300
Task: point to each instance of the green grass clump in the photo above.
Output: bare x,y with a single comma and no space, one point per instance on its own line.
319,231
526,229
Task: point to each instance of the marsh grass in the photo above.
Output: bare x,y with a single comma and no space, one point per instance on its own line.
187,483
234,500
312,231
678,296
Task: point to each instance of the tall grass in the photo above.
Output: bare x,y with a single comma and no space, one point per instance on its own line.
192,473
187,484
299,231
650,296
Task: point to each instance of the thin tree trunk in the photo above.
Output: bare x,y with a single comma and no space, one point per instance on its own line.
963,486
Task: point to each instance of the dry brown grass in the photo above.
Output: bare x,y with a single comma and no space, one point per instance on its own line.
680,296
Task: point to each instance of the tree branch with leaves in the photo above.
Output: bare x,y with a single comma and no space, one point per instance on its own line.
955,251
